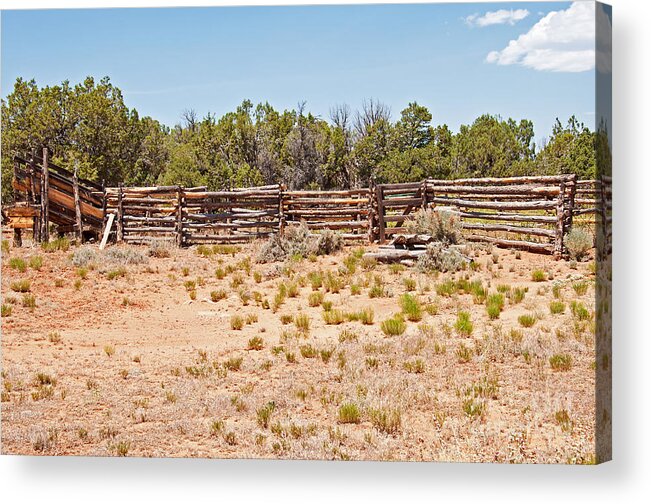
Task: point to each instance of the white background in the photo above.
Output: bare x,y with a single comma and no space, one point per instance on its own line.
625,479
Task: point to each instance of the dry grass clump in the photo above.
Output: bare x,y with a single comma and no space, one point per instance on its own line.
217,295
302,323
6,310
255,343
527,320
580,287
386,420
411,308
263,414
233,363
59,244
463,353
18,263
36,262
556,307
538,275
315,298
116,273
561,362
394,326
349,413
463,325
348,335
237,322
21,285
494,305
563,420
579,311
29,301
334,317
416,366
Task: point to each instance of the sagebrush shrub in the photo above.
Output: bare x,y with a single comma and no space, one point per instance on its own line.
442,225
578,242
439,257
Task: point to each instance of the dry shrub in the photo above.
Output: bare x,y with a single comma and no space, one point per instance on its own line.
296,241
160,249
439,257
578,242
441,224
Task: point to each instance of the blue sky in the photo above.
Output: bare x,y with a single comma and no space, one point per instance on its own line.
453,58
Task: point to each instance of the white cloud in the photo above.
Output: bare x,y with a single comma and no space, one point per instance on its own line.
501,16
562,41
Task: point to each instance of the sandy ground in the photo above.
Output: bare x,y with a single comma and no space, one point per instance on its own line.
138,368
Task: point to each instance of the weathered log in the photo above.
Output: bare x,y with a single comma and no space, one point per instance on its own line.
546,248
394,255
232,225
507,217
509,229
324,201
268,195
514,190
410,240
148,220
148,229
549,179
322,194
240,214
401,202
529,205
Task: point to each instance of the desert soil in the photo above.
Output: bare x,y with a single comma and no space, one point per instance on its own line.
133,366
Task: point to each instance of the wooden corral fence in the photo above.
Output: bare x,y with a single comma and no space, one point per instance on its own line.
194,215
345,211
593,207
531,213
51,194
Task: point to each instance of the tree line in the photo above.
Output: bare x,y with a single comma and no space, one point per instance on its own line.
89,126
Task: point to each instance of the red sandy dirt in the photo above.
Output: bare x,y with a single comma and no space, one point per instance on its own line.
142,370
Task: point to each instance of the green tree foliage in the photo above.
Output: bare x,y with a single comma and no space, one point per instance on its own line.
89,126
571,149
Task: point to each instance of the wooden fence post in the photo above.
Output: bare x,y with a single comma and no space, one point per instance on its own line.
36,226
104,203
379,193
179,216
569,208
423,194
45,199
75,191
560,219
120,216
281,208
370,206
